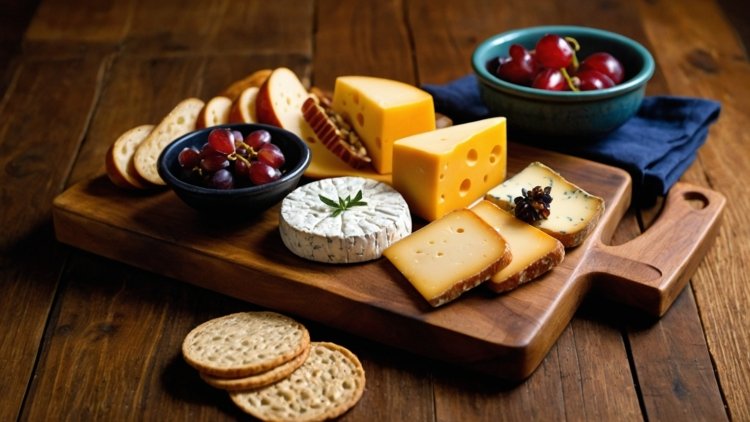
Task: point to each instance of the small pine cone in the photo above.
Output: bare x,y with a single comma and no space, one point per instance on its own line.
533,205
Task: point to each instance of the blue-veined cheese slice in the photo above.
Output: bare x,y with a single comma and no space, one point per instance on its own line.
309,229
573,212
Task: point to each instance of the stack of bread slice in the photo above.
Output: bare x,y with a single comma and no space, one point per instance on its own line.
272,370
131,161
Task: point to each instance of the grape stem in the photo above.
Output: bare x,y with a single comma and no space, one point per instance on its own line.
568,79
576,46
250,152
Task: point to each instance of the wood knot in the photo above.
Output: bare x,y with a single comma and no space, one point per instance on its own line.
703,60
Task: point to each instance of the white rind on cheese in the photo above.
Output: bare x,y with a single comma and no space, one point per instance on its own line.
359,234
534,252
573,212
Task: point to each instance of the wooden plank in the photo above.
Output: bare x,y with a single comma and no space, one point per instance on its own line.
220,27
361,38
97,341
706,59
13,22
38,139
59,27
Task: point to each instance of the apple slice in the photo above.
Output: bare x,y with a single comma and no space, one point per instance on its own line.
118,161
243,108
215,112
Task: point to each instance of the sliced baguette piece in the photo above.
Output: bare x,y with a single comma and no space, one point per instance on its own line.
214,112
242,109
119,161
178,122
254,79
534,251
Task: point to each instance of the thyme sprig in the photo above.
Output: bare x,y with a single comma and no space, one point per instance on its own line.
343,204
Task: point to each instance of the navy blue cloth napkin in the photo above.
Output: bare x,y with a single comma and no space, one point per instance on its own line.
655,146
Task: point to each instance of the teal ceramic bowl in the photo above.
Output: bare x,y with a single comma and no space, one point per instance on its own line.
564,114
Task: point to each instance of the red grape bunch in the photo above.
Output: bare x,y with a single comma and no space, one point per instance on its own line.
229,160
553,65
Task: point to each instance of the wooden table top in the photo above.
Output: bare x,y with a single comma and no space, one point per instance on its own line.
87,338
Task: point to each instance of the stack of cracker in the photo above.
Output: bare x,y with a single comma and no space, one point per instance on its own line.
271,368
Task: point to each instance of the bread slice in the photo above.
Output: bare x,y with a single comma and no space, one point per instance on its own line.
330,382
259,380
242,109
214,112
243,344
254,79
534,251
119,158
178,122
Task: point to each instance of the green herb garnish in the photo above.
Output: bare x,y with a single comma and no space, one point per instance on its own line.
343,204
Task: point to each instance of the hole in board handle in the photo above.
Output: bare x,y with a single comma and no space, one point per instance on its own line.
696,200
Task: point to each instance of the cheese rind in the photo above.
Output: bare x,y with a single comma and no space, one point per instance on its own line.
359,234
449,256
534,252
450,168
573,212
382,111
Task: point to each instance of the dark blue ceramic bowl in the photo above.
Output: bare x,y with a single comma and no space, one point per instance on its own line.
564,114
246,201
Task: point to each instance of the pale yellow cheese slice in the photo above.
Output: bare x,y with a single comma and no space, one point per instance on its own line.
534,252
449,256
573,211
447,169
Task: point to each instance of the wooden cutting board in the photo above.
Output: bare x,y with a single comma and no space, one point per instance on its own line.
506,335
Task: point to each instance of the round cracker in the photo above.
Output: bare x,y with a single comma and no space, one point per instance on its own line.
244,343
260,380
328,384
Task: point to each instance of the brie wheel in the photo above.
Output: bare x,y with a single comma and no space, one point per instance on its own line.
360,233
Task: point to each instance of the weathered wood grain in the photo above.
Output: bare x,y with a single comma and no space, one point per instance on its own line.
40,130
101,302
706,59
361,38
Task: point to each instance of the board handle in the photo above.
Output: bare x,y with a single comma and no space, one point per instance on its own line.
648,272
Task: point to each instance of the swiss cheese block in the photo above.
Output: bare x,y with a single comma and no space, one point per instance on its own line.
573,211
310,229
534,252
450,168
382,111
449,256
